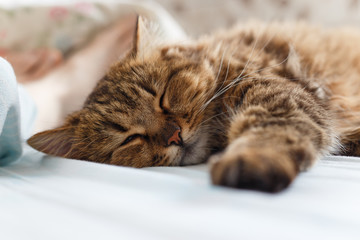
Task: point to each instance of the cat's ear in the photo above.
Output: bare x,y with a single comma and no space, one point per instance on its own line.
57,142
150,34
145,37
136,39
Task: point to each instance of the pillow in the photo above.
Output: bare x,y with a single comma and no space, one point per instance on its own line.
69,26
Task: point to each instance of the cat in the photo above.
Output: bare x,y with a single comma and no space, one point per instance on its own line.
260,101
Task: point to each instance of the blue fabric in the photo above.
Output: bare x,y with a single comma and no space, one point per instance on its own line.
10,139
13,128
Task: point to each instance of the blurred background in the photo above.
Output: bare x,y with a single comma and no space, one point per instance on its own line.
70,37
37,35
68,23
201,16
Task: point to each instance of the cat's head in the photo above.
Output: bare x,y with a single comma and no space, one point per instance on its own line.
146,111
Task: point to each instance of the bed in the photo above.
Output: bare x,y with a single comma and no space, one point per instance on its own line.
44,197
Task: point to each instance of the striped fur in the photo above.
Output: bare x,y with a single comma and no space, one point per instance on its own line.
261,101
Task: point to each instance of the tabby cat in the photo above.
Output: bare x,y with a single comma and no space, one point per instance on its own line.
261,101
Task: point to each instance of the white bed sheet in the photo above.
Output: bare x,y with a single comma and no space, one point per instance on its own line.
43,197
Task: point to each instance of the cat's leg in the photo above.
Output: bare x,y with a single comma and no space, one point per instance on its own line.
277,132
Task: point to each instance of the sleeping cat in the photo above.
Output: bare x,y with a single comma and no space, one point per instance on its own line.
262,102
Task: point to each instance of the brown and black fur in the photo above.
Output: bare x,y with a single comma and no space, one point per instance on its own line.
262,102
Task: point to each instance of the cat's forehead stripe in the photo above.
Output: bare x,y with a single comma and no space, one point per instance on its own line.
126,99
117,126
146,88
108,122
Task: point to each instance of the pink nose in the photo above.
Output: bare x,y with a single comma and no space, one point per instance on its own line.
175,138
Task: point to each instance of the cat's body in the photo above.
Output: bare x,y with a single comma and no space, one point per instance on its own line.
262,101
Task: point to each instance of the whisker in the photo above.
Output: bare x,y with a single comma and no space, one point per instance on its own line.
218,74
221,64
212,117
226,88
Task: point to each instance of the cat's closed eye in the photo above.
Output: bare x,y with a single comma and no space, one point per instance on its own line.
131,138
161,103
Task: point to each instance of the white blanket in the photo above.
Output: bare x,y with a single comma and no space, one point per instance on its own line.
52,198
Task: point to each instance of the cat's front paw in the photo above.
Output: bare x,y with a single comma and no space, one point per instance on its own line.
253,168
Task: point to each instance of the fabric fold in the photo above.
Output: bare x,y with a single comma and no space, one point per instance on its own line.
10,138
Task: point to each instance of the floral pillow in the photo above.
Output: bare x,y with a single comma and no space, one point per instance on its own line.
63,27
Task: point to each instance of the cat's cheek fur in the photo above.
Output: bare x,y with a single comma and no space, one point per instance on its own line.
136,156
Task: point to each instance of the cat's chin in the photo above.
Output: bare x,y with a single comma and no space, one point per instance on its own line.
194,152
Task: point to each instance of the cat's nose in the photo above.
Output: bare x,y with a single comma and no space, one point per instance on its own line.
174,136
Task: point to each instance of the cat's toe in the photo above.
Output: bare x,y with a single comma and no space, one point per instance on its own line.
264,171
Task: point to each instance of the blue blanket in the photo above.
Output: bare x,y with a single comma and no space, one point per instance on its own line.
13,129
